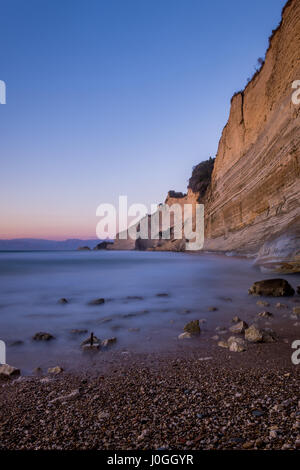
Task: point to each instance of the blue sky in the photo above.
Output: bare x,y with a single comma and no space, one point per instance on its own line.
114,97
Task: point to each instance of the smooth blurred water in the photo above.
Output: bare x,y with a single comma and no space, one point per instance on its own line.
31,284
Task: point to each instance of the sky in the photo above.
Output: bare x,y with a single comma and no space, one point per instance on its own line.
115,97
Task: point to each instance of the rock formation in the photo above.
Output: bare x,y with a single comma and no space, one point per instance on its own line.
251,191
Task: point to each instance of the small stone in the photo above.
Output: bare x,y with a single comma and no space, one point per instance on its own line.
8,371
223,344
296,311
257,413
63,301
55,370
279,305
103,415
248,445
78,331
265,314
192,327
185,335
262,303
144,434
108,342
273,434
239,327
236,319
212,309
215,337
42,336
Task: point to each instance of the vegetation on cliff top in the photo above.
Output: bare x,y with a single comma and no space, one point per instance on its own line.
201,177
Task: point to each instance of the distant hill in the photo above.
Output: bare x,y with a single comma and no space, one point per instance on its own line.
29,244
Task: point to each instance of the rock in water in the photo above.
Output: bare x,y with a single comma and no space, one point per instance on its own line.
254,334
236,319
8,371
240,327
91,341
108,342
192,327
55,370
262,303
185,335
265,314
63,301
272,288
296,311
97,301
42,336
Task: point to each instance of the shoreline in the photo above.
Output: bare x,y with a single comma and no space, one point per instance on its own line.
158,402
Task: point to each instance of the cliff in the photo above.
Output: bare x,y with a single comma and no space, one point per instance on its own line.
251,191
254,193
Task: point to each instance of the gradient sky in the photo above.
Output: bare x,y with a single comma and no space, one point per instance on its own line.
115,97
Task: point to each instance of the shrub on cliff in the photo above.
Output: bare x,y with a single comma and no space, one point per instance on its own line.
201,176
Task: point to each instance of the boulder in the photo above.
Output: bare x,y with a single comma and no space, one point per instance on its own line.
236,344
55,370
254,334
239,327
99,301
42,336
192,327
272,288
8,371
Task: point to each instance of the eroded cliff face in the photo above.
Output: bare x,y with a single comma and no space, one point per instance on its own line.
255,188
252,204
